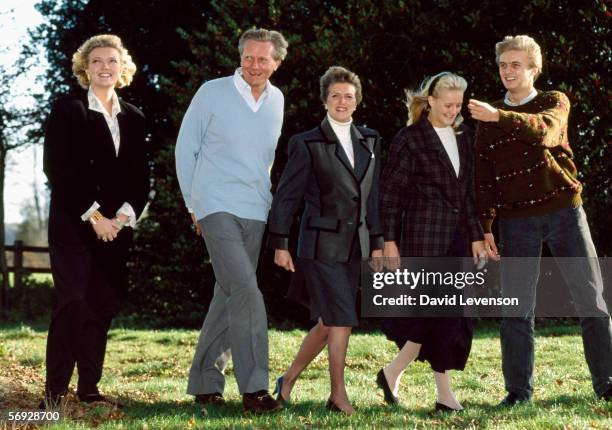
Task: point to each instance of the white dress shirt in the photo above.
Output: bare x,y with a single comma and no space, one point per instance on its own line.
113,125
245,91
527,99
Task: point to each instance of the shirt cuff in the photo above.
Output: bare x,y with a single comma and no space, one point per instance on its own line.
90,211
127,210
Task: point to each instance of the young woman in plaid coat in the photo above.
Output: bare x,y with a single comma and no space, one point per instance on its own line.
427,210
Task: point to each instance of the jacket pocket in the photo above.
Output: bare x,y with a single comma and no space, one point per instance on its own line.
324,223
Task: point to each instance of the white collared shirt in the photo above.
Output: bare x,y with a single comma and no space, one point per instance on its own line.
527,99
113,125
111,119
343,133
245,91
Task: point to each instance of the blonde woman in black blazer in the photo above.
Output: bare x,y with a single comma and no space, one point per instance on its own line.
95,162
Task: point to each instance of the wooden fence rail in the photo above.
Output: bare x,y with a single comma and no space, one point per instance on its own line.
19,270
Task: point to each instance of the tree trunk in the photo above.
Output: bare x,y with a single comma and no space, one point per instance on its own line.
3,265
39,216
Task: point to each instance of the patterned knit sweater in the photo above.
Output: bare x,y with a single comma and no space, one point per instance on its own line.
524,162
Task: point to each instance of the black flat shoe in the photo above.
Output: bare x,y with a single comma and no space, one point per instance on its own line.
443,408
512,399
381,381
331,406
607,396
277,391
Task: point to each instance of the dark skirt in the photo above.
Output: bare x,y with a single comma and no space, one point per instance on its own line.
445,342
332,288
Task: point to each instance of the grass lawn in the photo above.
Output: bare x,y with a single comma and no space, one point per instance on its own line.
148,370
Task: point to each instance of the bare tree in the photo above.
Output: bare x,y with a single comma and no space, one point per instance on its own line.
13,125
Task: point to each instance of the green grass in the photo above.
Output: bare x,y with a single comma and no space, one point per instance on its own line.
150,368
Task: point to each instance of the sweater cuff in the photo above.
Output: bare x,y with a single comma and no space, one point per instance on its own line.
277,241
506,121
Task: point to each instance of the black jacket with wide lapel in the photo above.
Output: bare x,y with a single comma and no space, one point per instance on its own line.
340,200
82,167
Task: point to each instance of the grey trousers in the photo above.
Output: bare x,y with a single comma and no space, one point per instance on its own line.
236,323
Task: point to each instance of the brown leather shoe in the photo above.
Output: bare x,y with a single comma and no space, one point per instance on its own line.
210,399
260,402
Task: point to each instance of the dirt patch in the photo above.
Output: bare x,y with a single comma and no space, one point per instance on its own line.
22,388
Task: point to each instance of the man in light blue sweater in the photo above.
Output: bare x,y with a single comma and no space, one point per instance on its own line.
224,153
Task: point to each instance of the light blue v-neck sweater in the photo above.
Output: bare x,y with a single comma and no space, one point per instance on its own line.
224,151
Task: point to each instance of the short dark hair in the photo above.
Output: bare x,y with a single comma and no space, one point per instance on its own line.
338,74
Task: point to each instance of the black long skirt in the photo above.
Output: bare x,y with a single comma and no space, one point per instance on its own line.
445,342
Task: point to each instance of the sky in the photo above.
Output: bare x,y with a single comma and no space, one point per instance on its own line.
16,16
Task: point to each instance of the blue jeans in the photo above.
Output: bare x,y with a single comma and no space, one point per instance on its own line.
567,234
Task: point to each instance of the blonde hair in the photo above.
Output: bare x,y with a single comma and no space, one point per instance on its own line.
80,59
263,35
521,43
335,75
417,103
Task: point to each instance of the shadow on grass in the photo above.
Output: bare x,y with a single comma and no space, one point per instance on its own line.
231,409
476,413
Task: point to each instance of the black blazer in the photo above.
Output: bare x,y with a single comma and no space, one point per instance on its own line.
423,202
340,201
81,166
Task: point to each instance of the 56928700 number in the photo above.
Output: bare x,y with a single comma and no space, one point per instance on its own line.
32,416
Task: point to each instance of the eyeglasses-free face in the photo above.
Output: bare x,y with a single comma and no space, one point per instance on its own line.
341,101
444,108
104,67
257,63
515,71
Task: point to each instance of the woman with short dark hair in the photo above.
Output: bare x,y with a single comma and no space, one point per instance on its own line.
333,170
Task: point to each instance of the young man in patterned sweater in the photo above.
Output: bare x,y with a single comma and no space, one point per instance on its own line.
526,177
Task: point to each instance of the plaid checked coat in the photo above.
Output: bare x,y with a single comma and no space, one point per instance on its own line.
422,200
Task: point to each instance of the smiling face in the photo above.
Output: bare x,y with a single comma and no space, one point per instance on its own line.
516,73
445,107
258,63
104,67
341,101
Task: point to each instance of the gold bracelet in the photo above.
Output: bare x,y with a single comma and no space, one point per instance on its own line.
95,217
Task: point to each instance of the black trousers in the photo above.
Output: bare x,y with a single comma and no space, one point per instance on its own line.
89,283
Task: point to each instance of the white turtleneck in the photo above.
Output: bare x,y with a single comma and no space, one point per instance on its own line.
343,133
449,141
